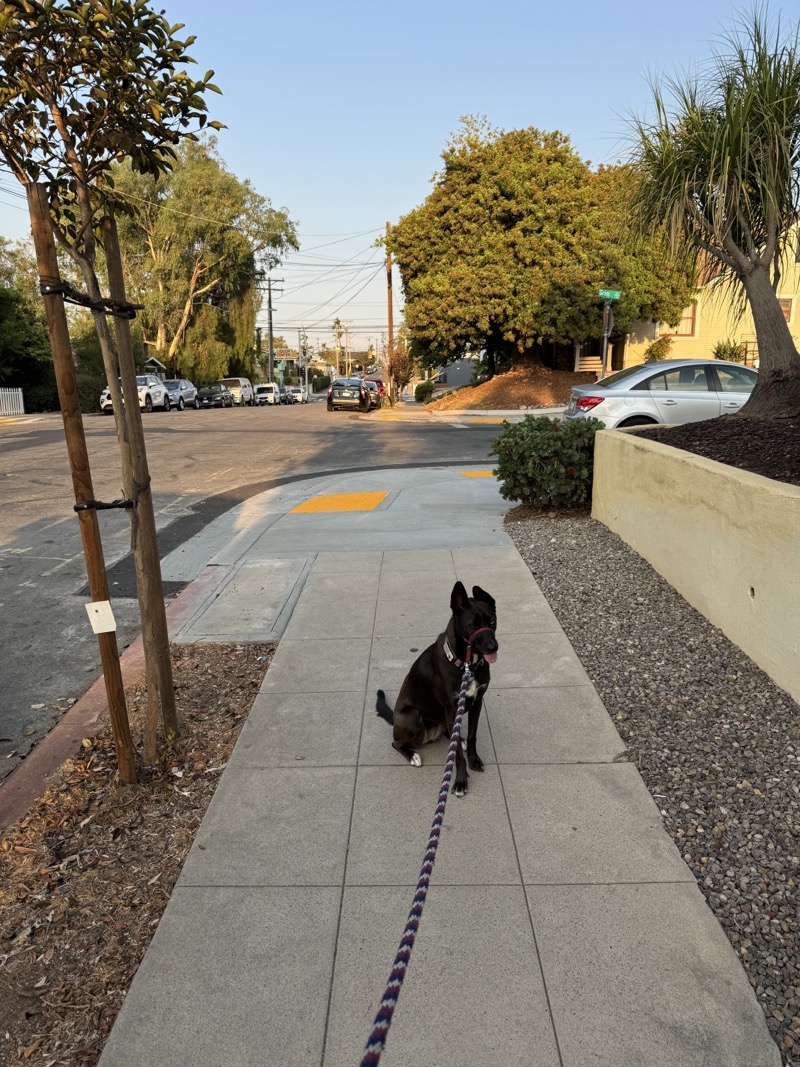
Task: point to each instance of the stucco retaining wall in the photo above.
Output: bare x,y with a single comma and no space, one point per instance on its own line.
727,540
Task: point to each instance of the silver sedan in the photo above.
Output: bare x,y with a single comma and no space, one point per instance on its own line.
669,391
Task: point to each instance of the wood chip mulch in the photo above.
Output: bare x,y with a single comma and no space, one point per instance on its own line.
770,447
86,875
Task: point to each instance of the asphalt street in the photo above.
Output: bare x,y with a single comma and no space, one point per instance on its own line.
202,463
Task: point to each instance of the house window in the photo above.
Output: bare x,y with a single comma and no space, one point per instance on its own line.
687,327
786,307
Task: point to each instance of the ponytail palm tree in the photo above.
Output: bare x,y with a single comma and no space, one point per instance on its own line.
719,174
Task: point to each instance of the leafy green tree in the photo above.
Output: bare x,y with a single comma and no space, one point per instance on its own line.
191,241
83,84
403,365
511,247
25,359
718,169
653,284
18,271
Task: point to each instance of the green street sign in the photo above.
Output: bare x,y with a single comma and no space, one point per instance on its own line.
610,294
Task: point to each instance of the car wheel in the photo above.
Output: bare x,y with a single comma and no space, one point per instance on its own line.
196,404
148,403
637,420
181,404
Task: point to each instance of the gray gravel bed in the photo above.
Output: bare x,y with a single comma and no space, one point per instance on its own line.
716,741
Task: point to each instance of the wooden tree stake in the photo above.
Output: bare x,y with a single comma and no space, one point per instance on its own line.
81,475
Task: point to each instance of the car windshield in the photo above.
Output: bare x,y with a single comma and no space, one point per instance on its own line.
230,381
172,386
141,379
213,389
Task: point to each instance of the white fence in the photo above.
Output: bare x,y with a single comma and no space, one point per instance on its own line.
11,402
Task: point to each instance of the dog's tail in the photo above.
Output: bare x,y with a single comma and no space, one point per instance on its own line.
383,708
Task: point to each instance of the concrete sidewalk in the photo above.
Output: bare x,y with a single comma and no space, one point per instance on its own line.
562,927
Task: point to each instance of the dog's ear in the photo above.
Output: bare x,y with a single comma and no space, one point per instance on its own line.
458,599
481,594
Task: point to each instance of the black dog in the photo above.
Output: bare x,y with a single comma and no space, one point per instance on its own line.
427,703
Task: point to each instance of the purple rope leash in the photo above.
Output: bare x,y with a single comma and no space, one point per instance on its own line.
383,1020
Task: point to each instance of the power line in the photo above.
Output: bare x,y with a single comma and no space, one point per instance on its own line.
349,285
363,287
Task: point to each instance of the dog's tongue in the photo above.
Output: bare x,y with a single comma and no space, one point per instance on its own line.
490,657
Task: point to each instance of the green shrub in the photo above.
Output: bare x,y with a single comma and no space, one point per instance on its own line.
732,351
545,462
424,391
43,396
659,349
320,382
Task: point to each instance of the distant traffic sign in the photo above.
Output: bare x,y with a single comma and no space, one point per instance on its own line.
610,294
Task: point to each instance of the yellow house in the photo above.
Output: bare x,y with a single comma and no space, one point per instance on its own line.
711,318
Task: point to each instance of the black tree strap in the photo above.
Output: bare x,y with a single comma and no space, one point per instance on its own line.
54,286
98,505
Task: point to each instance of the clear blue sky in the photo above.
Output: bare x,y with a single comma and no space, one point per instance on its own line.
338,112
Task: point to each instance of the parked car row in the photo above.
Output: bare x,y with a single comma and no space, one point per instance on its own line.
665,391
153,393
180,393
270,393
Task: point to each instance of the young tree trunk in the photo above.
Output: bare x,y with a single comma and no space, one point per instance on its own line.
777,393
58,331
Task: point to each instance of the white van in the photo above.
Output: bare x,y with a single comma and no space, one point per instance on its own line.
241,388
267,393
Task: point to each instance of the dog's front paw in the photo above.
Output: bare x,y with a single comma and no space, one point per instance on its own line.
416,760
460,789
475,762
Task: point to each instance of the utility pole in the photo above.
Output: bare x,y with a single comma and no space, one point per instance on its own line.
271,368
258,347
347,349
390,347
302,346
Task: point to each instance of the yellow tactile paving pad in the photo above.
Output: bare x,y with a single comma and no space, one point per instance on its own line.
471,419
341,502
477,474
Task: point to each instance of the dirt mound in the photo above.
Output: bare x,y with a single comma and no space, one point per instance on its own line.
523,387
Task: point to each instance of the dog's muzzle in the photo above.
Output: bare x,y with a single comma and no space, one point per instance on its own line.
491,655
